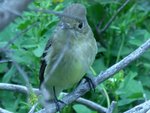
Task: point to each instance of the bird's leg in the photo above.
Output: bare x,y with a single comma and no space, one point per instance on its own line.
90,82
89,79
56,100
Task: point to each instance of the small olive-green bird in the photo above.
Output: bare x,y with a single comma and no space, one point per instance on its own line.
68,54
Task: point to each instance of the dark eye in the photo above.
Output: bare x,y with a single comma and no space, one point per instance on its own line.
80,26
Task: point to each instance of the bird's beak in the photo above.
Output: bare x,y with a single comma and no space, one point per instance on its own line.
64,25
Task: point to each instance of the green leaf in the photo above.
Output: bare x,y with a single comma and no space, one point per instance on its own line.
138,37
95,17
23,56
9,74
143,5
125,51
24,24
125,101
39,50
3,67
81,109
130,89
147,93
98,65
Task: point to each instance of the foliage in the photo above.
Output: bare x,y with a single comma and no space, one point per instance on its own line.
129,30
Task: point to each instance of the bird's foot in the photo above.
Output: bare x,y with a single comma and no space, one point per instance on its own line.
90,82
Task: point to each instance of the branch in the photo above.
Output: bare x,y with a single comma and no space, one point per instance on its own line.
123,63
113,17
112,107
33,108
84,87
4,60
92,105
24,90
17,88
10,9
142,108
59,14
4,111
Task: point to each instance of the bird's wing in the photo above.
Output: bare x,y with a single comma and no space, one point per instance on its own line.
43,62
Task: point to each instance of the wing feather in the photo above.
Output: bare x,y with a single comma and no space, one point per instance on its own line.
43,62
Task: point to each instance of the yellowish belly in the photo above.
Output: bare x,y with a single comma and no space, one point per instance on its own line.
68,72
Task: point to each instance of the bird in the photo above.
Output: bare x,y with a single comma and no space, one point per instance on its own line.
68,54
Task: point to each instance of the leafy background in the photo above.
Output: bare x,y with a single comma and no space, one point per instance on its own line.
129,87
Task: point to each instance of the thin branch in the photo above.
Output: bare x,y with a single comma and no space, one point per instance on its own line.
92,105
9,55
112,107
123,63
142,108
24,76
17,88
5,50
24,90
33,108
113,17
10,9
5,61
4,111
84,87
59,14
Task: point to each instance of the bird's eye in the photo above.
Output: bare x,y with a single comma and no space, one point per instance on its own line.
80,25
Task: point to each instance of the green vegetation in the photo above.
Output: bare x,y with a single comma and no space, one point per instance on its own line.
129,87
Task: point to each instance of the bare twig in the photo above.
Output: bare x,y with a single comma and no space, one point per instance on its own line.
9,55
24,90
92,105
33,108
4,111
84,87
24,76
123,63
113,17
5,50
142,108
59,14
112,107
10,9
17,88
5,61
